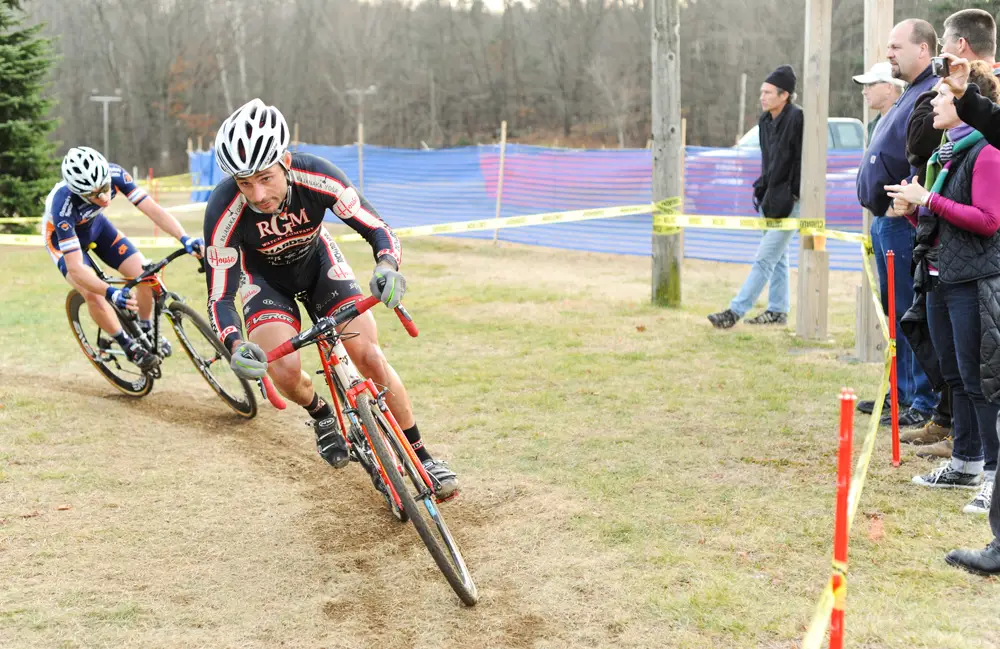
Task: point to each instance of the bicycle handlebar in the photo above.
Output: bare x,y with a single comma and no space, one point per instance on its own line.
156,267
272,394
322,326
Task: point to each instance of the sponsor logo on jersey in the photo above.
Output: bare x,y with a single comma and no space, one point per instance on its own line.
248,292
229,219
64,226
340,271
291,242
348,205
272,316
282,224
122,249
221,257
228,330
126,176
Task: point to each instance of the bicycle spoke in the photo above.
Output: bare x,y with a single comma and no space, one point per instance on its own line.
205,352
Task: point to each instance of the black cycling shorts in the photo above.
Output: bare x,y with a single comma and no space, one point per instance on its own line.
326,284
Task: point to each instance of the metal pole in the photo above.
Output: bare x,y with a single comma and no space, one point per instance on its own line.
107,149
503,153
360,96
105,100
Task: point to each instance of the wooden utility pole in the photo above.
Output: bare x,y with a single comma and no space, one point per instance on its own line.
667,248
869,344
814,264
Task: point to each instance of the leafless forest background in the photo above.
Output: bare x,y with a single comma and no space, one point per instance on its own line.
561,72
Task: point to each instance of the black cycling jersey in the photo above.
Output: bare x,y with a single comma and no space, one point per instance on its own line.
282,248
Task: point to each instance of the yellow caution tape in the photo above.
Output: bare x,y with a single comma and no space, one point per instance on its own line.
179,188
513,221
840,595
20,219
852,237
875,290
175,179
661,221
417,231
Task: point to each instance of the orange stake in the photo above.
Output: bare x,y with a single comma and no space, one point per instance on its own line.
893,392
838,578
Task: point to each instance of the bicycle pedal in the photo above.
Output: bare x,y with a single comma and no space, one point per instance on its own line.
448,498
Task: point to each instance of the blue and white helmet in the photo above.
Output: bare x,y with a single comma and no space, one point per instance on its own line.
253,138
85,170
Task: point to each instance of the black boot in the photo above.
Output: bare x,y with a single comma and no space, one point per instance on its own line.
985,562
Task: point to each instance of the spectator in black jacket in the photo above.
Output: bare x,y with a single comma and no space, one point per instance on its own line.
970,34
776,196
983,115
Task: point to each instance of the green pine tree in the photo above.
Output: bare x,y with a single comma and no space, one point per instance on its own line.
28,167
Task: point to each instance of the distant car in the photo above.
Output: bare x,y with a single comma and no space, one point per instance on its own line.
842,133
719,181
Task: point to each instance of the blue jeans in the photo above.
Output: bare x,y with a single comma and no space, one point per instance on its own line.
896,234
953,317
771,268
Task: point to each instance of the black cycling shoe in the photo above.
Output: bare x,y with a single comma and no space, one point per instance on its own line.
138,355
166,349
444,480
331,444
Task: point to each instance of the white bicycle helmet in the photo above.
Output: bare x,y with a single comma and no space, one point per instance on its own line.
253,138
85,170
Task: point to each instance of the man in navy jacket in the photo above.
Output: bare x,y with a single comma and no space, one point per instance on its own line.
912,44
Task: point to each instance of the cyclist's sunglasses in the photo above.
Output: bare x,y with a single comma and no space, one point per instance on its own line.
97,192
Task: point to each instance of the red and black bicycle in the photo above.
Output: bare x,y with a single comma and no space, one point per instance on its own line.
377,442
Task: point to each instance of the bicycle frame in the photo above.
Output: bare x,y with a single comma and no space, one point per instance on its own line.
337,367
158,288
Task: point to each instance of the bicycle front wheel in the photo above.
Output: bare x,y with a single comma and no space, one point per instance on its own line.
102,350
211,359
417,500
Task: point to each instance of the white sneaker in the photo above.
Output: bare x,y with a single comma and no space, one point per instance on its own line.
981,503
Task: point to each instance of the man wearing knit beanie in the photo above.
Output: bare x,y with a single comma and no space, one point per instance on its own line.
775,196
783,78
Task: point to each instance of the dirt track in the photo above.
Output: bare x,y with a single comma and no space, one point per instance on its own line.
189,528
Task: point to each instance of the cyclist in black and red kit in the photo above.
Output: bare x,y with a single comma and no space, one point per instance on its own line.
266,241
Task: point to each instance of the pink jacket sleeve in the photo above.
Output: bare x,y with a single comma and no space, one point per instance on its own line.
983,216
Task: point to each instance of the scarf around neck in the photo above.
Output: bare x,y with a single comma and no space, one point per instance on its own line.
957,140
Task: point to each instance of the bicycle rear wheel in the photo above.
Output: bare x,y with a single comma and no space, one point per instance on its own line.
417,500
103,352
206,351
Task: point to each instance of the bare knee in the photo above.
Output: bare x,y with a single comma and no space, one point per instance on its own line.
93,299
287,374
371,361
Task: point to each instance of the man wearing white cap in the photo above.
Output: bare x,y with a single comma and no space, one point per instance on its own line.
880,90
